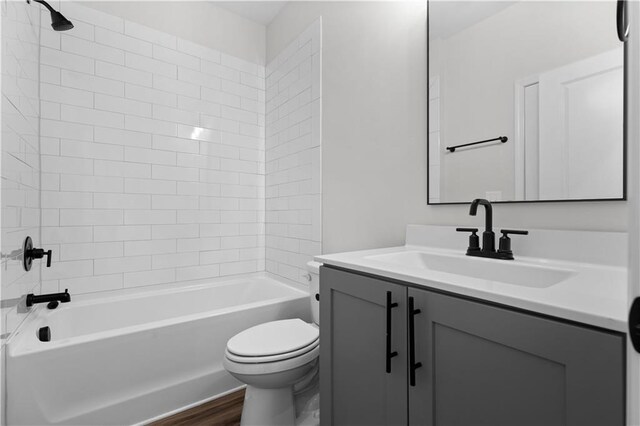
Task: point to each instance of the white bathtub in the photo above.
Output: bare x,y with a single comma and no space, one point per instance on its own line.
126,358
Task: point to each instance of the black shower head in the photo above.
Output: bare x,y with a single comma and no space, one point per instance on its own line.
58,21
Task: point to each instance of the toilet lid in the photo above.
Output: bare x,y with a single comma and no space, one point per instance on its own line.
273,338
300,353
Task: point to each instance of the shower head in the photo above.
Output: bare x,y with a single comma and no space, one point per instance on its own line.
58,21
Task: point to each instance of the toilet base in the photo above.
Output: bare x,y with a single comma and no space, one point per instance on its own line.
268,407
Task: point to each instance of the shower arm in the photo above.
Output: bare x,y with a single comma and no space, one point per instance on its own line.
44,3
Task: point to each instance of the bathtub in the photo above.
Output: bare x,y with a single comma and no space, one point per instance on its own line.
132,356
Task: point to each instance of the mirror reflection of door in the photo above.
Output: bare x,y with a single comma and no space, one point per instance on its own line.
563,116
549,76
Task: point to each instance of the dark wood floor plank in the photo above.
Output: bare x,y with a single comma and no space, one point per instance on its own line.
224,411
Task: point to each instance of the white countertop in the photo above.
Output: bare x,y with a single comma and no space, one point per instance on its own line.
594,294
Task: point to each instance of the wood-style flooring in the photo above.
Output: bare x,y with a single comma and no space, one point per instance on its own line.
221,411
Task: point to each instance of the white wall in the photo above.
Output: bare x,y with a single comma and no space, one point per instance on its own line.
20,156
374,130
199,21
293,155
152,156
477,90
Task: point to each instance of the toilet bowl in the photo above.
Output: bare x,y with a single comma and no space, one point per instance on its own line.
272,359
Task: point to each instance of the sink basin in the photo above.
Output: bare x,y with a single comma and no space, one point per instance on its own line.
503,271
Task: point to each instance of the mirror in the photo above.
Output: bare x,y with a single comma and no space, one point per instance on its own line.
535,92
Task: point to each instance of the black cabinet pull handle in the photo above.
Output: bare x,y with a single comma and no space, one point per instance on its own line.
389,354
413,365
622,21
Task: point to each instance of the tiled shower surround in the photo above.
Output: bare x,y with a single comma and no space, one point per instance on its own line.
294,197
153,158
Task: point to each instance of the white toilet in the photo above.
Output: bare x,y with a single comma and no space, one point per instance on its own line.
276,360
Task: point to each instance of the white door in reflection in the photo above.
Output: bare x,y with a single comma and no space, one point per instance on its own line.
572,131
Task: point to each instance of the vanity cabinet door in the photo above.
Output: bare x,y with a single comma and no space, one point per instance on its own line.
487,365
357,385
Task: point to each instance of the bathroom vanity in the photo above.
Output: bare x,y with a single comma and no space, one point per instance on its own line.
408,339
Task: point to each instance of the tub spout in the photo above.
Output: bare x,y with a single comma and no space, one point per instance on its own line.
32,299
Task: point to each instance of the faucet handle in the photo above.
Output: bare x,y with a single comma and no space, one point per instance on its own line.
505,242
506,232
474,240
472,230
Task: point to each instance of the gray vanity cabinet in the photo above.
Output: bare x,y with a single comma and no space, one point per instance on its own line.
479,364
486,365
357,386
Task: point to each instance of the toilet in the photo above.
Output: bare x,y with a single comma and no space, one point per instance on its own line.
278,361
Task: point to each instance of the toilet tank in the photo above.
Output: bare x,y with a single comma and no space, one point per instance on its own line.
314,290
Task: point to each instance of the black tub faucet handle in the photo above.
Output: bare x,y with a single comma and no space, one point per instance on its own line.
38,253
29,253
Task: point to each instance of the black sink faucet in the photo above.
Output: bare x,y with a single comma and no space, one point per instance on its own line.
488,236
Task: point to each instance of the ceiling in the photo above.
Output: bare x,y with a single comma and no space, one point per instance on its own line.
447,18
261,12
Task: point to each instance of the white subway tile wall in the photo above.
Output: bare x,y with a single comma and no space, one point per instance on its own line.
293,156
153,157
20,156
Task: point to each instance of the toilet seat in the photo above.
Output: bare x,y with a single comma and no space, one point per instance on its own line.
274,340
275,367
270,358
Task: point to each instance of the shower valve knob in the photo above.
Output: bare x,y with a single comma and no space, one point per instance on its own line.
30,253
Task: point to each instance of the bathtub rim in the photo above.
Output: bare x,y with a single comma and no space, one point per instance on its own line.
138,291
17,347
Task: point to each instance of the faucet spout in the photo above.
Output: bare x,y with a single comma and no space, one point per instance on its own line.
488,212
488,237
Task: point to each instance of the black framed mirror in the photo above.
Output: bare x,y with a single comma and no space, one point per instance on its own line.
526,101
